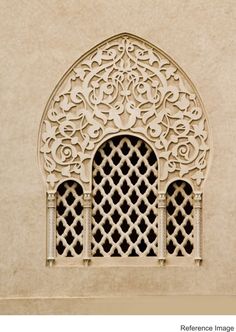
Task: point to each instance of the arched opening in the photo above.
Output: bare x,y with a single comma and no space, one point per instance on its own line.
125,184
69,220
179,218
124,86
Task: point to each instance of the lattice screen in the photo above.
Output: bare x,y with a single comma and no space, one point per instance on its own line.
124,199
179,219
69,219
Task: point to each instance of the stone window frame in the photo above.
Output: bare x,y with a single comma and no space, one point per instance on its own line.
179,93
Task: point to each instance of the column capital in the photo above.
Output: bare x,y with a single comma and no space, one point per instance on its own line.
51,199
197,196
161,197
87,200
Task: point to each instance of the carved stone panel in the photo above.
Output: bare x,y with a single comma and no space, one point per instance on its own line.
124,85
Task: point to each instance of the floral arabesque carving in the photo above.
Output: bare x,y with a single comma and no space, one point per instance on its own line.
123,85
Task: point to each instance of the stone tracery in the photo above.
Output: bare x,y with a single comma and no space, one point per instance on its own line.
124,85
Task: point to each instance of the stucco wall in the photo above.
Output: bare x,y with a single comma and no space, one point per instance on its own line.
39,42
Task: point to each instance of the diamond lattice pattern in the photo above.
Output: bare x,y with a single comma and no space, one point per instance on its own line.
69,219
124,199
179,219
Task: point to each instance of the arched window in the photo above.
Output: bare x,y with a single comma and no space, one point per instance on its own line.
180,217
124,148
69,219
125,189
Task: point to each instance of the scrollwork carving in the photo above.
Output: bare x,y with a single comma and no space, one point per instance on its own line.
125,84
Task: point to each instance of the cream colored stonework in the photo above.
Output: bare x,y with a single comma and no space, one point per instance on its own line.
124,89
39,42
124,86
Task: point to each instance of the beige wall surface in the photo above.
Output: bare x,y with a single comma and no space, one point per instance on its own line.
40,40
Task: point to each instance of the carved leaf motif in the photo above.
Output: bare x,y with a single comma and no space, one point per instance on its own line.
159,115
45,148
143,73
106,75
182,87
199,129
164,141
170,71
65,104
49,164
152,57
98,57
79,73
49,132
182,103
201,162
85,142
76,168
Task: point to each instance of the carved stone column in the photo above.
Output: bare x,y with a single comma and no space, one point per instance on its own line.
161,227
197,205
51,227
87,211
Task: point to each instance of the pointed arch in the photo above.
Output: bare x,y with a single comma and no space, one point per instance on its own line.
124,84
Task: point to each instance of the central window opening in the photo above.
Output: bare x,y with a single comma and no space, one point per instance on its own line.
125,188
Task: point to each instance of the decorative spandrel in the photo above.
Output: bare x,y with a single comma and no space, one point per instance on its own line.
123,85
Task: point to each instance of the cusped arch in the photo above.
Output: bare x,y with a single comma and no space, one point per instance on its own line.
124,85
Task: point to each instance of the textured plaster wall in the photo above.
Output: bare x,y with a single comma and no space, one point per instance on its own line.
39,42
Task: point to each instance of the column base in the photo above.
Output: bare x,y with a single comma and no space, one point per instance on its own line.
50,262
86,261
162,261
198,261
